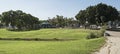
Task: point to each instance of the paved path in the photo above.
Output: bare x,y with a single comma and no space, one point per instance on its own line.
113,44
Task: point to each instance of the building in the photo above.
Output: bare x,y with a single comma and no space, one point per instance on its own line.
46,25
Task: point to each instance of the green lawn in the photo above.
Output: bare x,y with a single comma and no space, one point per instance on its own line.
79,46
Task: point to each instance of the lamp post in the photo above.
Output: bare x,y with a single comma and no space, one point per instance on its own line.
86,23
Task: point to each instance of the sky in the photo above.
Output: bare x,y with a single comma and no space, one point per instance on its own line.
50,8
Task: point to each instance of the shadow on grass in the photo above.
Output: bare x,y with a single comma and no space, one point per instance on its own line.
35,39
116,30
3,52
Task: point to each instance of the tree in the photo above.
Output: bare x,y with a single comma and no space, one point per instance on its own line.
57,21
81,16
19,20
98,14
105,13
90,14
60,21
119,15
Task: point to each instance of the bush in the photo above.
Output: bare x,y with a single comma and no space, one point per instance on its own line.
96,34
92,35
101,33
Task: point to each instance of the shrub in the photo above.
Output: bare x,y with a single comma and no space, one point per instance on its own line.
92,35
101,33
96,34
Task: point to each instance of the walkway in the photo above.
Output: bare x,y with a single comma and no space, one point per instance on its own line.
113,44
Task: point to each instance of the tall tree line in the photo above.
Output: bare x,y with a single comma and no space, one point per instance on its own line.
60,21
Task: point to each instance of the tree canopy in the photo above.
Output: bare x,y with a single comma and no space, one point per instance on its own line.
60,21
18,20
98,14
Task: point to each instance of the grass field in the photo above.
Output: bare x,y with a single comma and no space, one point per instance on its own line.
79,46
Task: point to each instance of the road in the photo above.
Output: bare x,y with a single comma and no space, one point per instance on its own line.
113,44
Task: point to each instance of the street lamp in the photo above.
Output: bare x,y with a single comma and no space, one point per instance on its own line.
86,23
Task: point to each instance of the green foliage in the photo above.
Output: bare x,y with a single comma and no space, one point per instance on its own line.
96,34
92,35
18,20
102,31
98,14
81,16
60,21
